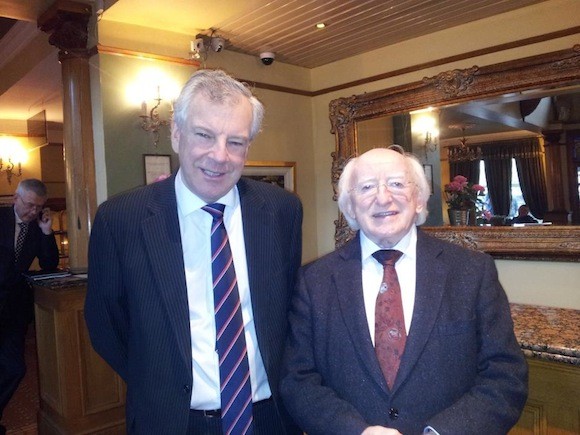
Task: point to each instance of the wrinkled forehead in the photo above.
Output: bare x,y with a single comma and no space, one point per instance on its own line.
380,165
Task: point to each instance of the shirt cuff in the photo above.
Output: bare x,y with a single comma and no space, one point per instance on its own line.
430,431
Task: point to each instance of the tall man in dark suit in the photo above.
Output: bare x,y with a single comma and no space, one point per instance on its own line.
25,234
150,302
446,363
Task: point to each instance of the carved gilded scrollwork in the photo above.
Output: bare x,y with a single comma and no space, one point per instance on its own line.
341,111
338,163
454,82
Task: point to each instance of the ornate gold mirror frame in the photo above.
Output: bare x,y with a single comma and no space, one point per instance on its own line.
557,69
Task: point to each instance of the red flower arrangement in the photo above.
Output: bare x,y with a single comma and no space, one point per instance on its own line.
462,195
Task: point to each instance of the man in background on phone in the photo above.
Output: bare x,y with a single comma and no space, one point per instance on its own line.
25,234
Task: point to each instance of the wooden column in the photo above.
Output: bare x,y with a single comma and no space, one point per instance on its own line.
67,23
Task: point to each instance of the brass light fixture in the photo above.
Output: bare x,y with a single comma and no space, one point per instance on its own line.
463,152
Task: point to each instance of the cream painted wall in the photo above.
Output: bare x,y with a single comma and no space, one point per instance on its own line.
551,283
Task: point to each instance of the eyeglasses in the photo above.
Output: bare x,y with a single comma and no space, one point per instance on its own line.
371,188
31,205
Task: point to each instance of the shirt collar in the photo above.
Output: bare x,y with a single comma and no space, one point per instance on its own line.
188,202
407,245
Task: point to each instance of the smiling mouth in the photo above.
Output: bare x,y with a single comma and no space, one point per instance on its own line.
212,174
384,214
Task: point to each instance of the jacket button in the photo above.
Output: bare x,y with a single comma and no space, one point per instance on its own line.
186,389
394,413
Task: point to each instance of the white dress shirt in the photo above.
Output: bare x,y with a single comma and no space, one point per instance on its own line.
372,276
195,226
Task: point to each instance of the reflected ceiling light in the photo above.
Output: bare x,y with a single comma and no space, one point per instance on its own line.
320,25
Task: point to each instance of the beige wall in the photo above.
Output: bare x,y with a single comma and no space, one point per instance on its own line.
297,128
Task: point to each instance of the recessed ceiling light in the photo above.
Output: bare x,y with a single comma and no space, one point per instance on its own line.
320,26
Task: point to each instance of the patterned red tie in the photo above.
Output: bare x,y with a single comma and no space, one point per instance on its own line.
236,390
390,334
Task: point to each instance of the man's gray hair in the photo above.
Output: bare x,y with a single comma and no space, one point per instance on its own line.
32,185
415,167
218,87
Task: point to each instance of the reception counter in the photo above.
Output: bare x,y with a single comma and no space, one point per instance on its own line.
548,334
550,339
79,392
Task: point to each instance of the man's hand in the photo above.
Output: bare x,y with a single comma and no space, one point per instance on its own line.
45,221
380,430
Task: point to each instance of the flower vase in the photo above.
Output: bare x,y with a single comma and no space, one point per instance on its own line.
458,217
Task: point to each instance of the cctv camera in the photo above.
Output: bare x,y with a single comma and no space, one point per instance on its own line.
267,57
199,45
217,44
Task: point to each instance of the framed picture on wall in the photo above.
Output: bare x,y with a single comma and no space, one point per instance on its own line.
278,173
156,166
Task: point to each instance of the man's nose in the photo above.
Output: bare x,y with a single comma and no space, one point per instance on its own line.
383,192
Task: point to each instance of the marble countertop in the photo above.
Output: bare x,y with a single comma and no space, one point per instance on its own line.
551,334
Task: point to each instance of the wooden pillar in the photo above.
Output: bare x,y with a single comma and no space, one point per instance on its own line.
557,213
67,23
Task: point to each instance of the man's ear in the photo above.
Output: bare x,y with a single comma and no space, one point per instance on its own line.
175,137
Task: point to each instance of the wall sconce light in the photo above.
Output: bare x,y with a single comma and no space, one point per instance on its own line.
151,121
424,126
430,141
9,169
11,157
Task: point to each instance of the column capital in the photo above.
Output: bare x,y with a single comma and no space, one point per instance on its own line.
67,22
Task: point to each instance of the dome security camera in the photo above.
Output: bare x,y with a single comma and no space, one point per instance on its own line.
217,44
267,57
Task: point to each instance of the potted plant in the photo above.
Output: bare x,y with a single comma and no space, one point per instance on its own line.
462,197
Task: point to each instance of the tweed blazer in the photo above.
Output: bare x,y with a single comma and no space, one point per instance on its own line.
137,307
462,370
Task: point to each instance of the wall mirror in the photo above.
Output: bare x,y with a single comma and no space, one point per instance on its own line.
551,74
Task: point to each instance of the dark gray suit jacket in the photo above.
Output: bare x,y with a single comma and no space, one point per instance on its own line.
462,370
137,308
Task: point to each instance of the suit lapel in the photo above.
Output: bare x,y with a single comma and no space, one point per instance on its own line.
160,230
256,218
348,280
431,275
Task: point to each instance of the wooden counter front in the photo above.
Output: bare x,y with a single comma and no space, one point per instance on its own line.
79,392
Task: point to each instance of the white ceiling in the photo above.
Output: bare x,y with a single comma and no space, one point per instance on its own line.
286,27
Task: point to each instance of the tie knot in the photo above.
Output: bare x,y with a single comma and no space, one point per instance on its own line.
22,225
216,210
387,257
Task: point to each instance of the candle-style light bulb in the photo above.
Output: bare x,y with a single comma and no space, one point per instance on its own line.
144,108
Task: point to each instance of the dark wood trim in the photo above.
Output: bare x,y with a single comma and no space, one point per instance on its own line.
105,49
386,75
455,58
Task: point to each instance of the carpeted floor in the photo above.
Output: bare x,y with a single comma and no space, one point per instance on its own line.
20,414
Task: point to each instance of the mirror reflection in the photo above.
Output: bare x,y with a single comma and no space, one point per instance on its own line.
522,147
